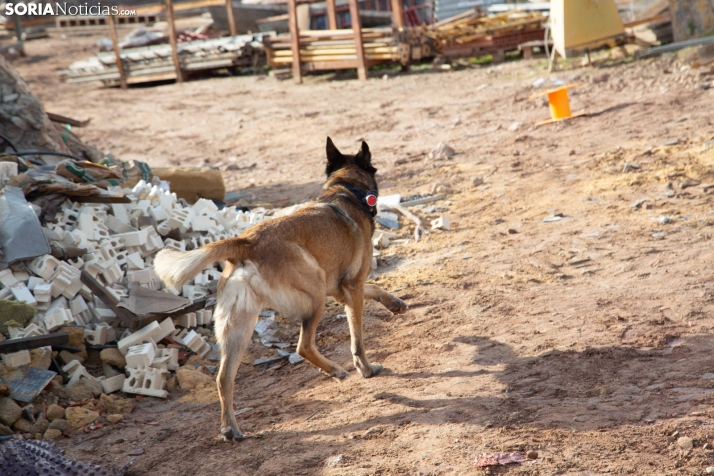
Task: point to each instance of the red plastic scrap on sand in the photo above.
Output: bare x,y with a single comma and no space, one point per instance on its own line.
497,459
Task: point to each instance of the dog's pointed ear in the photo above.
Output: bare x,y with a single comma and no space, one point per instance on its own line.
363,159
335,159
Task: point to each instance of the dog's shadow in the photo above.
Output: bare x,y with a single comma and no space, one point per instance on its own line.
589,390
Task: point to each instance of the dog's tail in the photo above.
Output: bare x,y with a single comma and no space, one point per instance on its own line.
176,267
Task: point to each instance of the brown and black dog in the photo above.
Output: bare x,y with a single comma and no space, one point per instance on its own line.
291,264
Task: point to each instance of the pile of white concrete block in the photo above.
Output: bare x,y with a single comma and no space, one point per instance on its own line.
119,245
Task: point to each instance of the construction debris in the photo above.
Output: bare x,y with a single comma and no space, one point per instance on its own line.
155,63
474,34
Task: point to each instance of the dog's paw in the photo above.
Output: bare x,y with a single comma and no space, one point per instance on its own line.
396,305
373,369
230,434
340,374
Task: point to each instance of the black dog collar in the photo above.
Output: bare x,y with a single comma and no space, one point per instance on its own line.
366,199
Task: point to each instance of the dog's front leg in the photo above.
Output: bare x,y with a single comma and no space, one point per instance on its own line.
354,318
390,301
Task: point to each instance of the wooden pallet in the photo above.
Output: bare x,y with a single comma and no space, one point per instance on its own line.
77,21
493,45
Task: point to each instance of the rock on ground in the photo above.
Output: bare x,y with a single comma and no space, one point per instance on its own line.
80,417
54,412
61,425
22,425
113,357
10,411
83,390
112,404
115,418
189,379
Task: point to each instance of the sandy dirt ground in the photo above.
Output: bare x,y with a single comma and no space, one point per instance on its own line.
587,339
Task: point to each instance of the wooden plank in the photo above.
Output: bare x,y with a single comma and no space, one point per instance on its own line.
67,120
117,54
34,342
294,40
103,198
231,18
330,65
359,45
127,318
398,13
331,15
172,39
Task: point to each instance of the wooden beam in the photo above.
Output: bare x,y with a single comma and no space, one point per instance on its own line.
294,40
332,14
231,18
398,13
26,343
359,45
172,39
117,53
127,318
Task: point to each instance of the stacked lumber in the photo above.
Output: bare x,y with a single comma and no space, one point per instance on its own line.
473,32
333,49
155,63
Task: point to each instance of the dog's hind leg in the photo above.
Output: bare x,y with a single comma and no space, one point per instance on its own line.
236,315
306,347
354,318
390,301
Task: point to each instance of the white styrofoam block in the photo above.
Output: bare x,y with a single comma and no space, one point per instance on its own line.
141,355
58,318
134,238
113,384
143,276
441,223
30,330
21,293
16,359
173,355
187,320
167,329
146,381
7,278
43,295
115,225
44,266
6,294
66,281
22,276
121,213
98,336
141,190
158,214
204,206
197,343
161,363
204,317
134,261
175,244
181,219
80,311
76,370
147,333
34,281
202,223
103,314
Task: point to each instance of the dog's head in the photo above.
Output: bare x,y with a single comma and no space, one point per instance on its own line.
356,167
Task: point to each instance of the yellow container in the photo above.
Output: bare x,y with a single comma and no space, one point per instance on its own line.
559,104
